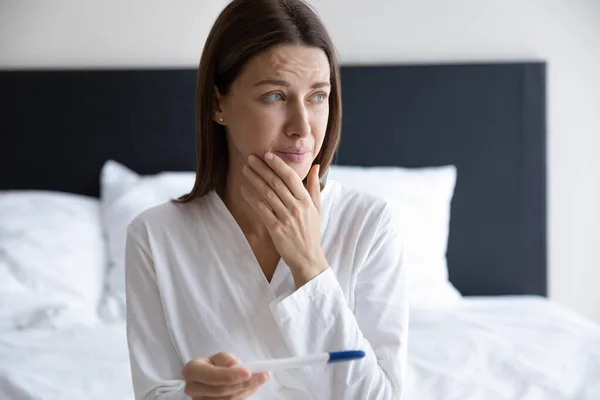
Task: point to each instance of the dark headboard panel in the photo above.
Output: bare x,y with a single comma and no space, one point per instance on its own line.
58,127
489,121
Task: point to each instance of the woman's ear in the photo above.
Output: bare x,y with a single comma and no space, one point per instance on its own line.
217,112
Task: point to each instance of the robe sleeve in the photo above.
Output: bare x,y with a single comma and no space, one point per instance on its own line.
155,365
316,318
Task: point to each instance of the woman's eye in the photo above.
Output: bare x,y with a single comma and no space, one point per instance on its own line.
318,98
274,97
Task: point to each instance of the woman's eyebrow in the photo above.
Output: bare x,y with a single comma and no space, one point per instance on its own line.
320,85
273,82
281,82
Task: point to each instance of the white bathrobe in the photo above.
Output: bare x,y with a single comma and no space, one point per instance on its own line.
194,288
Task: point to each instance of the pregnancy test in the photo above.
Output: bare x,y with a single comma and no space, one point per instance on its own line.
279,364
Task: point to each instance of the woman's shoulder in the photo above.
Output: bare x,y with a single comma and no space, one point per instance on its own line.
357,223
357,205
168,216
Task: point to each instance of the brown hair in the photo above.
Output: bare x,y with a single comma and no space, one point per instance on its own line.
242,30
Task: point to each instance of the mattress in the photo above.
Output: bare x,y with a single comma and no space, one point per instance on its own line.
486,348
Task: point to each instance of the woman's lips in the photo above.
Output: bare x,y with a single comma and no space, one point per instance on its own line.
293,157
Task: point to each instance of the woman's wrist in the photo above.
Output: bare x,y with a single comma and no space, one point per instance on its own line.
304,274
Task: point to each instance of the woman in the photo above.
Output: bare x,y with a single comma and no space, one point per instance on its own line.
260,261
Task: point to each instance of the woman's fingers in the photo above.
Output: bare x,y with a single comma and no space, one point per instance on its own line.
269,194
248,393
262,209
203,390
217,377
223,359
314,186
203,371
280,177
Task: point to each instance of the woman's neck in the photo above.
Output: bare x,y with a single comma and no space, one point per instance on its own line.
240,209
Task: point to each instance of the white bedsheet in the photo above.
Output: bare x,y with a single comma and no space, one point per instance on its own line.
487,349
503,348
90,364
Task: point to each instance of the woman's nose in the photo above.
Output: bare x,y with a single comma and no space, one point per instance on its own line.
298,121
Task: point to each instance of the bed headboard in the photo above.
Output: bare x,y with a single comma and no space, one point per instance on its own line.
58,127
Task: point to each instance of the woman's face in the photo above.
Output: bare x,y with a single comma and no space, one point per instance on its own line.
278,103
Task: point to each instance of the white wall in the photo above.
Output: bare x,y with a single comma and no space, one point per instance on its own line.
117,33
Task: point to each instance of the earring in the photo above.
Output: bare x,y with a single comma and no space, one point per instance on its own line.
221,120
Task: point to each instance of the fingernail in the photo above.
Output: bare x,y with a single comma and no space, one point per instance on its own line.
250,157
269,156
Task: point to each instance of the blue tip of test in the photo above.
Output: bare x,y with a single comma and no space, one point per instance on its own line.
338,356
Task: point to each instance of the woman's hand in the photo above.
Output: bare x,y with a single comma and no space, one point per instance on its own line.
217,378
291,213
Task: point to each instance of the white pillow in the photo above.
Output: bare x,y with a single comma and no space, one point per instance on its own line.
420,199
124,194
52,260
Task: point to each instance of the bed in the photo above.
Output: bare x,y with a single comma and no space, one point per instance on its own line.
468,137
487,348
